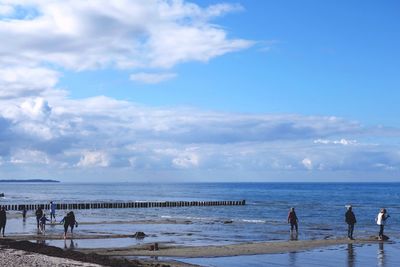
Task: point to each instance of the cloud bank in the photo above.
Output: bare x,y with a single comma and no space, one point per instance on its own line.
103,133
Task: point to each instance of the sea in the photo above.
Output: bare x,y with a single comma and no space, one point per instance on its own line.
320,208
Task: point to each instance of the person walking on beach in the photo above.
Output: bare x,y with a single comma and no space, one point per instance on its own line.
3,220
69,221
381,221
350,219
52,211
42,223
293,220
39,214
24,213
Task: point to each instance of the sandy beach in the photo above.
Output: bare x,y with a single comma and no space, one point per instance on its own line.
167,250
21,258
25,253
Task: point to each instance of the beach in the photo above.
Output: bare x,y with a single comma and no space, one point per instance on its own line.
13,258
214,235
25,253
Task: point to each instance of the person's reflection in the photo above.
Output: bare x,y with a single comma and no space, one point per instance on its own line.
292,258
41,241
71,246
381,255
350,255
294,236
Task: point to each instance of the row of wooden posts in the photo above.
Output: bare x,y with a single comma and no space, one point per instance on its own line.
122,205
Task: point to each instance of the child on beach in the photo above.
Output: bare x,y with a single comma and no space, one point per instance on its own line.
42,223
69,221
381,221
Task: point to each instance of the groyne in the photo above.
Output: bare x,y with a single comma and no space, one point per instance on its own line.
124,205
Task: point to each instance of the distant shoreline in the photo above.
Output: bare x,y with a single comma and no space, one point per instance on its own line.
29,181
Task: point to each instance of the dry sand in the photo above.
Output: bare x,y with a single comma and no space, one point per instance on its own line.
20,258
25,253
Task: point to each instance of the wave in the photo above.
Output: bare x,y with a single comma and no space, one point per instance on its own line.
253,221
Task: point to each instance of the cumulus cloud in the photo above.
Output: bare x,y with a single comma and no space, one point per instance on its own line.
93,159
82,35
102,132
18,81
152,78
37,107
307,163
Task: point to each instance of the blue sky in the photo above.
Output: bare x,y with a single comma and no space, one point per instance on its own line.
342,55
200,90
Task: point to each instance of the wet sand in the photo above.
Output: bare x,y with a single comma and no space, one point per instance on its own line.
25,253
127,256
61,236
167,250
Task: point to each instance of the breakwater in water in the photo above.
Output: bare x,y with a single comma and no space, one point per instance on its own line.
123,205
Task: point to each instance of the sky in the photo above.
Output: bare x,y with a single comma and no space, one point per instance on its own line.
200,91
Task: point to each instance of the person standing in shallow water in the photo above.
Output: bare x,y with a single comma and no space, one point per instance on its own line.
3,220
52,211
350,219
69,221
39,214
381,221
293,220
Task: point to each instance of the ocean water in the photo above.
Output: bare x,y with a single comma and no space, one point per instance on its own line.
350,255
319,206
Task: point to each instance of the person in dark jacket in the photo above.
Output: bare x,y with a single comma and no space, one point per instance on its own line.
350,219
3,220
39,214
69,221
293,220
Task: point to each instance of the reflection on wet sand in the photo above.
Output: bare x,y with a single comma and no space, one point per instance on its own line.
381,255
41,241
350,255
294,236
72,245
292,258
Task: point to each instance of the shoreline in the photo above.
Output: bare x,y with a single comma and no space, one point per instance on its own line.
166,250
126,256
25,253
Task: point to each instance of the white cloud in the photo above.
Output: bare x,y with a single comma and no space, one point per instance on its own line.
186,160
37,107
102,132
94,159
307,163
342,141
28,157
17,81
83,35
152,78
6,10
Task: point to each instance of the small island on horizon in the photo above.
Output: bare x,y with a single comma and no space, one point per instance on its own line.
28,181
